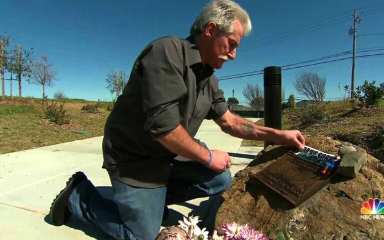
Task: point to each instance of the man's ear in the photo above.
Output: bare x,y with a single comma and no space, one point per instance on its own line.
210,29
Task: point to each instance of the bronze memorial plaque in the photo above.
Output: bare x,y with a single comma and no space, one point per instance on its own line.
298,176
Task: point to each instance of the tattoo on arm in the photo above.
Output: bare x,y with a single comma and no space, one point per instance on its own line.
247,128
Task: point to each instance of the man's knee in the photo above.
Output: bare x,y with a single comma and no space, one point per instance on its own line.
227,179
224,182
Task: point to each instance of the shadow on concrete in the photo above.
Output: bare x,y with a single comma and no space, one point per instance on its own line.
241,155
86,229
172,219
206,211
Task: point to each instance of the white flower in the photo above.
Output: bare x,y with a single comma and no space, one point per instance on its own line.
200,234
189,221
189,225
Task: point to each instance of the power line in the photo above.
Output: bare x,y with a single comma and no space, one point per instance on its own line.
260,72
307,27
370,10
373,11
372,6
373,34
301,31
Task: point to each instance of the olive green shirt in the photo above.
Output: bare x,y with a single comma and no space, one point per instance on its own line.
168,86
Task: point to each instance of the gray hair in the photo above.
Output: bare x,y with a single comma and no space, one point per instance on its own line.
223,13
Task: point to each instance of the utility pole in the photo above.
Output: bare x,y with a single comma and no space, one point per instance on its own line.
20,69
233,92
353,32
117,84
2,70
10,86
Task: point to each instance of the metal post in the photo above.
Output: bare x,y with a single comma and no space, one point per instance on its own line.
117,84
355,21
272,98
2,70
20,69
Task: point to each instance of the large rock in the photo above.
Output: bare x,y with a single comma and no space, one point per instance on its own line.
333,213
352,163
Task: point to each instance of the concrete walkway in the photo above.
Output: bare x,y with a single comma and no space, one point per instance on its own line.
30,180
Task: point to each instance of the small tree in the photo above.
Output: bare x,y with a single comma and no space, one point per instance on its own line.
372,95
21,64
254,96
42,74
291,102
345,91
12,68
116,82
59,95
311,85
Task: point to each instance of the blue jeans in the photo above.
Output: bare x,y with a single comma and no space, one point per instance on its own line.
136,213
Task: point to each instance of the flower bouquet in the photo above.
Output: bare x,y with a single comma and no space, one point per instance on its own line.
188,229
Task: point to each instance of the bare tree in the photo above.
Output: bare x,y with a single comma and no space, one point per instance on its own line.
4,43
42,74
311,85
254,96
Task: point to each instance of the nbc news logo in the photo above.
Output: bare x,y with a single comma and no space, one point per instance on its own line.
373,209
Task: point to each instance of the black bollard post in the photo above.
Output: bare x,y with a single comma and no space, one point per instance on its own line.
272,98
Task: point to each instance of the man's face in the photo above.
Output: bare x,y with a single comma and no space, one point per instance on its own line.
223,47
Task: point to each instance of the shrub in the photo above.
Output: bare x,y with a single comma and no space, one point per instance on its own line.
291,102
89,108
372,94
284,106
315,114
377,143
111,105
55,113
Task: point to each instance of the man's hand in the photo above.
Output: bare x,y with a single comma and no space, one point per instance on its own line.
292,138
220,161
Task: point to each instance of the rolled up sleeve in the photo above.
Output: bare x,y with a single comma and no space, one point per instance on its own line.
219,107
163,86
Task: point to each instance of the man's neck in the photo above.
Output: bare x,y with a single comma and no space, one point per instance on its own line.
200,43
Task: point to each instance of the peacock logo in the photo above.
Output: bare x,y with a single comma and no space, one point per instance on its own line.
373,207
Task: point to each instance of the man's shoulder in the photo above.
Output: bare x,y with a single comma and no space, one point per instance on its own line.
168,40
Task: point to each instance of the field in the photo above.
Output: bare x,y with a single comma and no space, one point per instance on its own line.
23,124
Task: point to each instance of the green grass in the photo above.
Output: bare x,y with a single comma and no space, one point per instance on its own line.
11,110
23,124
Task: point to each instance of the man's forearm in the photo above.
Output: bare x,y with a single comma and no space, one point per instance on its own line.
180,142
245,129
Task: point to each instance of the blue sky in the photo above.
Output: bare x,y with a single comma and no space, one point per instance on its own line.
87,39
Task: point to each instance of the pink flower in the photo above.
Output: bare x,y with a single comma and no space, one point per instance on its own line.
249,233
230,230
234,231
